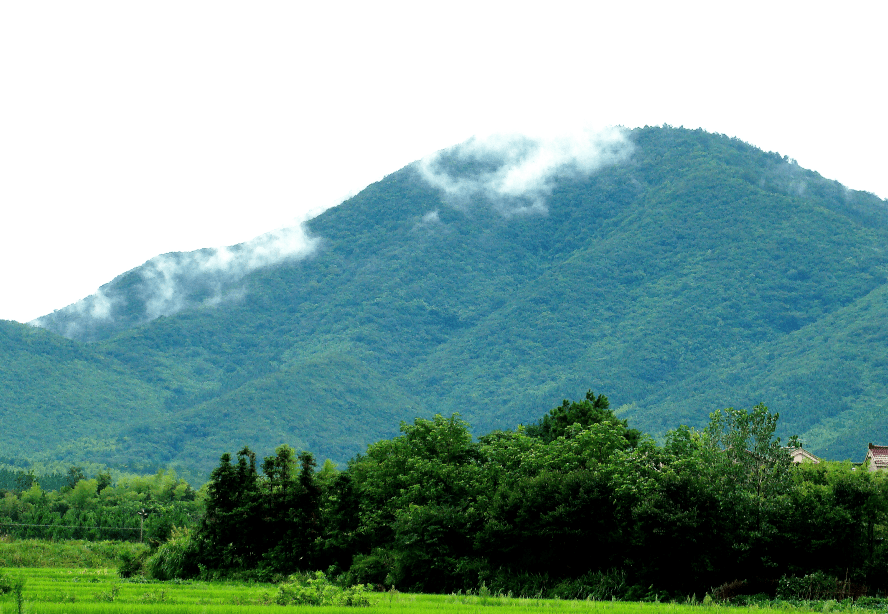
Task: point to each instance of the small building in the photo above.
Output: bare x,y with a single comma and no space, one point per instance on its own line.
801,455
876,458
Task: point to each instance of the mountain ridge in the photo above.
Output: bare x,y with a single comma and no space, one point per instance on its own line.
658,279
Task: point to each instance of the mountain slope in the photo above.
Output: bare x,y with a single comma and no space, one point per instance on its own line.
684,272
59,398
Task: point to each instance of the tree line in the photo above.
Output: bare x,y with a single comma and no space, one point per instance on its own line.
574,505
71,506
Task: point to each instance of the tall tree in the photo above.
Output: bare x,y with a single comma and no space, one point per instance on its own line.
591,410
230,529
750,470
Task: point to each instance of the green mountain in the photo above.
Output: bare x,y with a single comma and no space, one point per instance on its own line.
676,271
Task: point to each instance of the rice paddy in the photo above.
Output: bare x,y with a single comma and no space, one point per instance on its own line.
101,591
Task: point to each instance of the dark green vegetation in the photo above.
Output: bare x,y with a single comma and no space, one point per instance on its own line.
597,511
576,505
134,509
699,271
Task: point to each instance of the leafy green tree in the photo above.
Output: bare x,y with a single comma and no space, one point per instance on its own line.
751,473
750,452
679,511
270,522
561,524
835,523
103,481
591,410
562,505
74,475
291,520
408,487
231,529
25,480
340,522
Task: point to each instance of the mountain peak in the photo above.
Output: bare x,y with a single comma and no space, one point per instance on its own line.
676,271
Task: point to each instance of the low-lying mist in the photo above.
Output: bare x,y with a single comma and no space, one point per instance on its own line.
171,282
515,173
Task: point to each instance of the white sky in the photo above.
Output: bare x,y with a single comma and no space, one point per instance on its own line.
130,129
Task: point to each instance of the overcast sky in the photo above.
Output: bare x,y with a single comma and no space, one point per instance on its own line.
132,129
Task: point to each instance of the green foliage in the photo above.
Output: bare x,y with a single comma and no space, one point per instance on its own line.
267,521
18,594
132,564
6,584
316,589
816,586
110,595
582,513
45,554
175,558
85,511
681,278
592,410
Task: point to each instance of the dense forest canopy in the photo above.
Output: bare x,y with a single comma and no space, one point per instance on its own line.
597,509
681,269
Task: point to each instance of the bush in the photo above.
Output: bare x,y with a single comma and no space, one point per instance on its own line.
318,590
745,592
373,568
872,603
599,585
729,590
817,586
132,564
606,585
505,582
175,558
5,584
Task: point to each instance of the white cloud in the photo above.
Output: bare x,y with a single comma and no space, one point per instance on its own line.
432,217
169,277
171,282
515,172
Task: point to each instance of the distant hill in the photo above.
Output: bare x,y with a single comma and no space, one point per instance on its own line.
675,271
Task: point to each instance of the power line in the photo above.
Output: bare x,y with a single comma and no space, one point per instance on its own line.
66,526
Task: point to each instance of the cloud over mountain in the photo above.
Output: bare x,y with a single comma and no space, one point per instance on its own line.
515,173
168,283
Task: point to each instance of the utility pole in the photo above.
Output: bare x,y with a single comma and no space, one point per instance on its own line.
142,515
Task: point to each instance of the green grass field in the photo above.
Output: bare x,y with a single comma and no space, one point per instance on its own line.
96,591
70,554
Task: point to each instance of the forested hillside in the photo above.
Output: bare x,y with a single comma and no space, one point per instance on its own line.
687,272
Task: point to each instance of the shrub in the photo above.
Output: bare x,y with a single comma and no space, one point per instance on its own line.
6,584
816,586
744,592
606,585
132,564
175,558
729,590
316,589
599,585
872,603
373,568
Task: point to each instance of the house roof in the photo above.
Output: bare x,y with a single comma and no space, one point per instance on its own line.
800,455
878,455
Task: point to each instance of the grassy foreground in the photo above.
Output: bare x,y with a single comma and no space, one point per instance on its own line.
72,591
70,554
